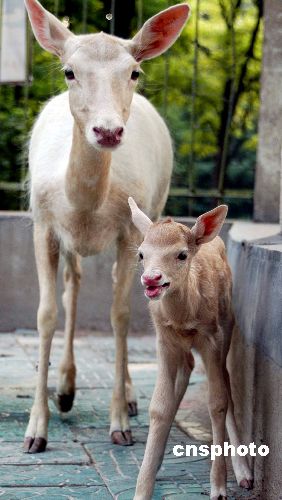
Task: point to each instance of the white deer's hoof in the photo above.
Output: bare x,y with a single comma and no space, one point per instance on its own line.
65,402
122,438
132,409
34,445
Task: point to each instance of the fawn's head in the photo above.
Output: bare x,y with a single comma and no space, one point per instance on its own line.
102,70
169,247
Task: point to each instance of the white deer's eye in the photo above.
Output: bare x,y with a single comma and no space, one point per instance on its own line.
141,256
135,75
69,74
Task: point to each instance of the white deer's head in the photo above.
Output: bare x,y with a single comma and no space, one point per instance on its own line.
102,70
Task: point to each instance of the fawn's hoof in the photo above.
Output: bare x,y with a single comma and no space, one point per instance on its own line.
248,484
34,445
65,402
219,498
122,438
132,409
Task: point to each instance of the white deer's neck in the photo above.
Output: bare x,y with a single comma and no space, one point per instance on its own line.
87,178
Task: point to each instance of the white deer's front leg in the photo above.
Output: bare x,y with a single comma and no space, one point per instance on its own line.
172,380
123,274
47,257
67,371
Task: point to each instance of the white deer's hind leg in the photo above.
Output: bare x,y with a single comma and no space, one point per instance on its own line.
129,390
47,257
67,371
130,393
122,283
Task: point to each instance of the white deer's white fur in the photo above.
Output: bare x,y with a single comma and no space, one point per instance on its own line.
132,171
90,149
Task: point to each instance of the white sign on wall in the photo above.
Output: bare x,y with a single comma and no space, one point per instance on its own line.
13,47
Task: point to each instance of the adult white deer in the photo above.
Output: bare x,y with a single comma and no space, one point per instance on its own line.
80,182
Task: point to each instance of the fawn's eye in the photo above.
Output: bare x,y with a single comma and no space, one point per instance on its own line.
69,74
182,256
135,75
141,256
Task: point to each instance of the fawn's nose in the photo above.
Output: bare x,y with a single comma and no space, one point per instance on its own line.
151,279
107,137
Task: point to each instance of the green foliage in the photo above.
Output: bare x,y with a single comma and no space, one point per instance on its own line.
194,95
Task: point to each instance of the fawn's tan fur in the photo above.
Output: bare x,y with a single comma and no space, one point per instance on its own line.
194,311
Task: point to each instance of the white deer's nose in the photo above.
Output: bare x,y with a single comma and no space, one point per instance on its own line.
108,138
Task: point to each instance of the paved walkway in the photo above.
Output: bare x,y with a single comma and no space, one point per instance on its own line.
80,462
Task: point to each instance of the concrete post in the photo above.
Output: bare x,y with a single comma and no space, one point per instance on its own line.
281,194
267,185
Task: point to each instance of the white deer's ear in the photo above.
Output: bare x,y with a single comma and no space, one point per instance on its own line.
209,224
159,32
50,33
140,220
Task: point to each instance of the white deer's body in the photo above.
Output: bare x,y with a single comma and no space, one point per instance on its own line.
140,167
90,149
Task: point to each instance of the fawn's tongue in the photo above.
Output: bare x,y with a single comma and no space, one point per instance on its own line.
153,291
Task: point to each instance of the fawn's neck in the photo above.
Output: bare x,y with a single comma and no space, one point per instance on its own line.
182,305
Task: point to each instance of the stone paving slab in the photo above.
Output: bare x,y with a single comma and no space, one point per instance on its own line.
80,462
65,493
56,453
48,475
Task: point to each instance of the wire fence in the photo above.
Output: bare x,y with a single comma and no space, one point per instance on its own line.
206,87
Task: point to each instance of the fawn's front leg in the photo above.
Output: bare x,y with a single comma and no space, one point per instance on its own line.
47,257
173,376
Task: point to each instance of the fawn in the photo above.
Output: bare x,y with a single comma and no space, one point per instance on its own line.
188,281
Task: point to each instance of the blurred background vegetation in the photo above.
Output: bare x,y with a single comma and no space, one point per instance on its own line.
206,87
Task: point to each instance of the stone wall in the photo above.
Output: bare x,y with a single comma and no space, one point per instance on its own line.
19,287
255,358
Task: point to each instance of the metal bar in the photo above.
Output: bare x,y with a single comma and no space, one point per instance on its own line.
224,155
84,16
1,22
193,102
11,186
211,193
53,72
139,13
24,152
174,191
113,10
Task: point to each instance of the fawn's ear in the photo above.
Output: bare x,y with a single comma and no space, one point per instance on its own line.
50,33
159,32
140,220
209,224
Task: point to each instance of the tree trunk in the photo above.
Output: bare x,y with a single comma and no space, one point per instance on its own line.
225,118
